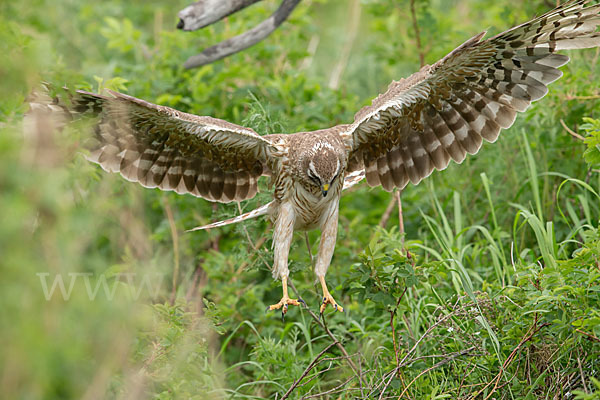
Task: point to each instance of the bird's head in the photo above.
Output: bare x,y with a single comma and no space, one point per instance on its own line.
323,167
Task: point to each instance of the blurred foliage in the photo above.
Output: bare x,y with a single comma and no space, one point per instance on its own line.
592,141
492,292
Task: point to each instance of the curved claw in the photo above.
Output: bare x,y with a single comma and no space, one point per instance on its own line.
328,299
284,304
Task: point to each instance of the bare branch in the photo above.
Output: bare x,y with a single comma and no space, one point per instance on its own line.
245,40
571,132
323,325
205,12
388,212
175,238
307,370
445,361
334,390
413,15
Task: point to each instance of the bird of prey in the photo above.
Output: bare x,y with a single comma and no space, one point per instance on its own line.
441,113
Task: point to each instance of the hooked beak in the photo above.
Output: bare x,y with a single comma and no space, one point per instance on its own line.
325,189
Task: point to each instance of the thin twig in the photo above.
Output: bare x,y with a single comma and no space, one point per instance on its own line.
462,381
254,246
427,332
530,333
307,370
571,132
175,239
195,278
392,315
321,372
243,265
585,389
413,14
331,335
245,229
312,261
595,97
388,212
331,391
400,218
403,362
437,365
589,335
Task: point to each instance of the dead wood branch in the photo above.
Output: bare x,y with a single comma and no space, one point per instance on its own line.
245,40
205,12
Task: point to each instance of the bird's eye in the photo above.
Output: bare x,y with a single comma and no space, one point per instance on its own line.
314,178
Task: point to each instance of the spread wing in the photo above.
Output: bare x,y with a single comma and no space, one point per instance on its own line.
446,110
161,147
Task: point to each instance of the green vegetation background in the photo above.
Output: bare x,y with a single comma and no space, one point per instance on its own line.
500,295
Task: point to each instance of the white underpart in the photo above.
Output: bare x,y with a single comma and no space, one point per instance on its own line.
329,225
282,240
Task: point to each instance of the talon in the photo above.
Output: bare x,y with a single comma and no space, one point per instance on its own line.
284,304
285,301
328,299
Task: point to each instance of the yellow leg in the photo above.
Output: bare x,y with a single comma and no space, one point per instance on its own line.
285,300
328,298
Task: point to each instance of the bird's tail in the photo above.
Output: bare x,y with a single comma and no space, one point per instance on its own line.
249,215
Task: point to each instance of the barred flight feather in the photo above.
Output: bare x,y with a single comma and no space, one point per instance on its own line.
446,111
163,148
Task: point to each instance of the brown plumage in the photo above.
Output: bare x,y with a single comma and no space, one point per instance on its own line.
441,113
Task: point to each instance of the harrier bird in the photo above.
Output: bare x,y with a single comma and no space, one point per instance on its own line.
419,124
